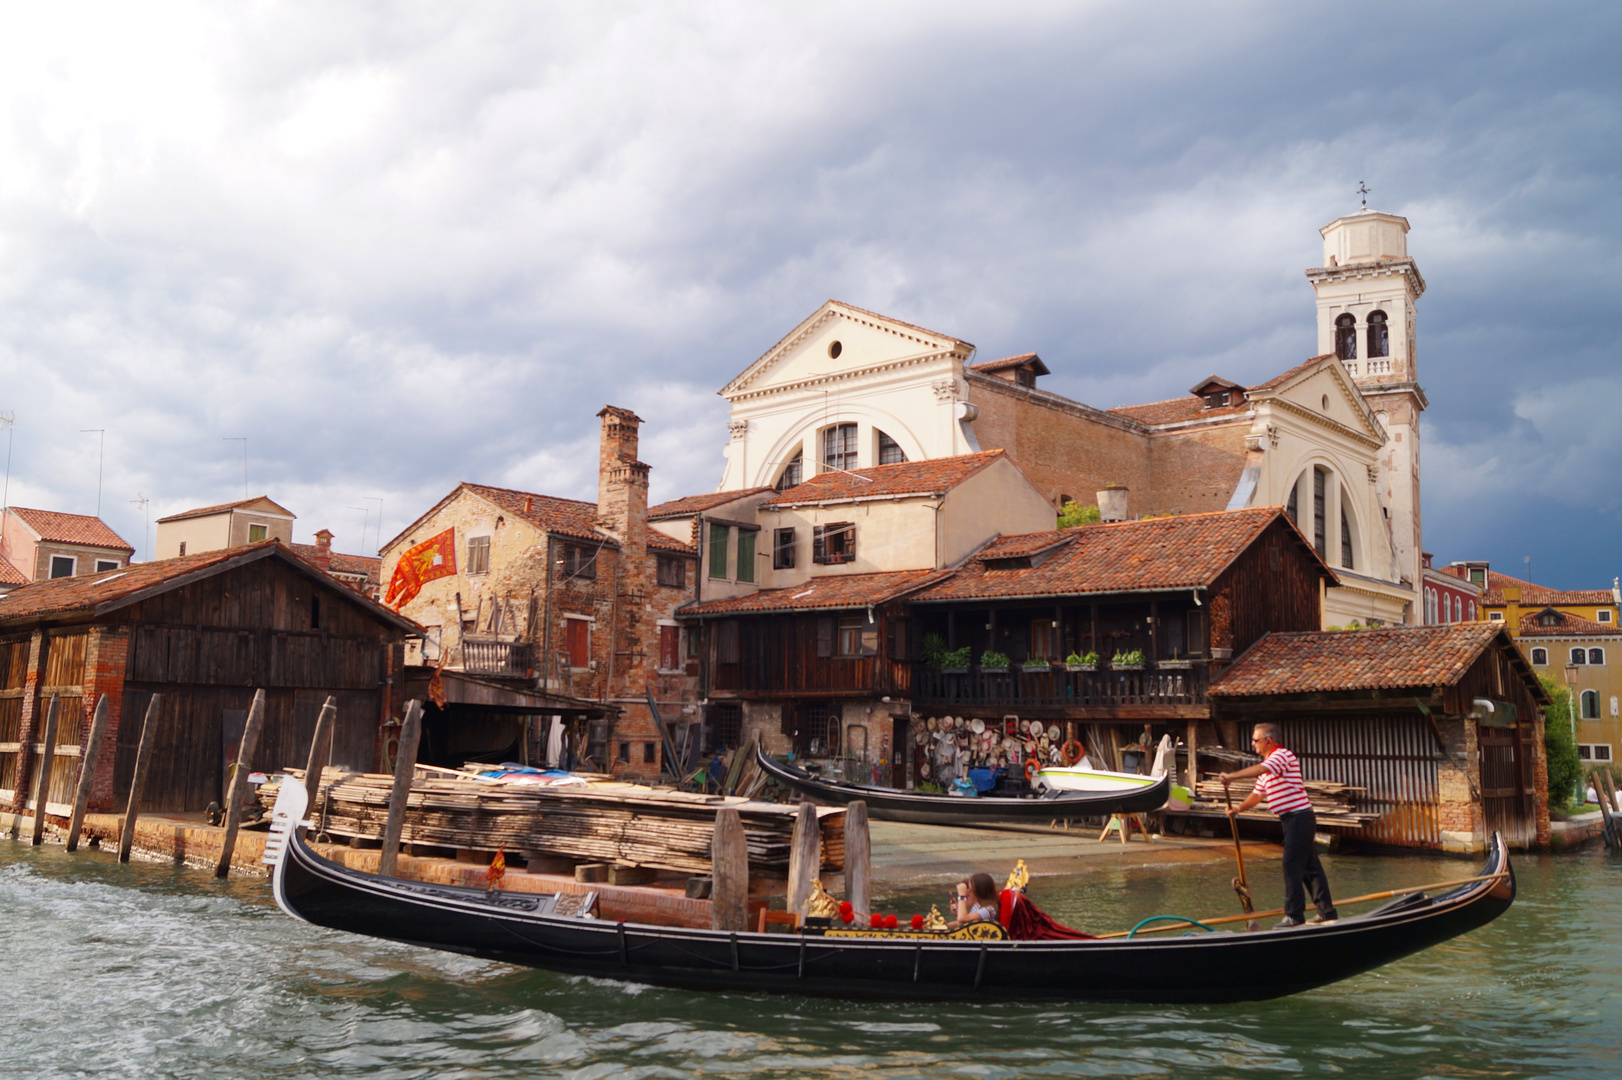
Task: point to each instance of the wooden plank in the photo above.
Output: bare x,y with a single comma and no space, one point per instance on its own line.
143,758
1193,755
805,857
729,860
858,859
88,753
239,782
42,771
320,757
405,767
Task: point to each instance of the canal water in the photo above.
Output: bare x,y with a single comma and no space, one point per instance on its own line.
154,971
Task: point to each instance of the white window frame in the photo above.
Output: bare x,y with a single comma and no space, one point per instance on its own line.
1596,663
1495,616
1582,705
680,647
73,567
1540,663
1603,615
1587,751
487,545
591,626
104,565
252,525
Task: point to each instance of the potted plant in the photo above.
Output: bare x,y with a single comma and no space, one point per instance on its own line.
955,661
1175,664
1036,665
1127,661
994,662
1082,661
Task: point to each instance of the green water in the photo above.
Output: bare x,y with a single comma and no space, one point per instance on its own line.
143,971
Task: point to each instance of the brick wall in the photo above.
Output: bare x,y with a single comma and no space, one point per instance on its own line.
106,654
1458,782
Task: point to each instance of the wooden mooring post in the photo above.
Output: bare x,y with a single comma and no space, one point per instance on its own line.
858,859
405,768
42,778
804,858
143,758
89,751
729,872
239,782
320,758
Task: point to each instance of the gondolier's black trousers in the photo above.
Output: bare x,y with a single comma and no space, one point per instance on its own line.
1301,867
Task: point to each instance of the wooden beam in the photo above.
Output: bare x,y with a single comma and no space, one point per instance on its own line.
1193,755
805,858
239,782
143,758
88,753
405,768
729,872
42,771
320,757
858,859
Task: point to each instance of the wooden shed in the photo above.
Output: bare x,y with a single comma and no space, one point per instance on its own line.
206,631
1440,726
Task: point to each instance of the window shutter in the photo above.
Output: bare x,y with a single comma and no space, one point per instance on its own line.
825,636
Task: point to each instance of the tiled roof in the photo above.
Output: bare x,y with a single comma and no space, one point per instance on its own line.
1533,595
1299,369
1178,410
834,591
1570,626
220,508
934,476
563,517
345,564
87,593
1131,556
1386,659
9,575
1007,362
59,528
697,504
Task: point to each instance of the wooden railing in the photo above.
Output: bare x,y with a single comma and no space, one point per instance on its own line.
507,659
1105,688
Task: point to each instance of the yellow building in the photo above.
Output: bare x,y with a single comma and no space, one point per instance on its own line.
1574,636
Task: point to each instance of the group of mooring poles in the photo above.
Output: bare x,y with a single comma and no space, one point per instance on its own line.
729,864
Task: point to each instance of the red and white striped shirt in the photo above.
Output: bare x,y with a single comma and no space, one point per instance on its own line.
1281,784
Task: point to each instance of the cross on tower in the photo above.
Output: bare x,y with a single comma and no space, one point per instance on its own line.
1363,190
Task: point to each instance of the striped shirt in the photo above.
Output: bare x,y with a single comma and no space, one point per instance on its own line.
1281,785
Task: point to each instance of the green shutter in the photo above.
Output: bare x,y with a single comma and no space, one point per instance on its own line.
746,554
718,550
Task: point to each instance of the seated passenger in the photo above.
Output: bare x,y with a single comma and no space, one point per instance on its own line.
976,899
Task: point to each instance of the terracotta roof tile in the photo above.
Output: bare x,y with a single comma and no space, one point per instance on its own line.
934,476
1007,362
345,564
1299,369
1178,410
1533,595
10,575
697,504
833,591
1386,659
60,528
1570,626
220,508
1131,556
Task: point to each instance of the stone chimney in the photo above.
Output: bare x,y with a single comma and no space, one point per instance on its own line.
1112,503
323,550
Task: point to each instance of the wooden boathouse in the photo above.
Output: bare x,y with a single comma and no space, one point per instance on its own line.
205,631
1440,726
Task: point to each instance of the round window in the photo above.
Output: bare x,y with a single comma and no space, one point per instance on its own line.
835,349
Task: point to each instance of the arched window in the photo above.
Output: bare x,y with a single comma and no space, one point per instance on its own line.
890,452
1289,506
839,447
1590,704
1596,656
793,472
1578,656
1379,335
1540,657
1320,485
1346,337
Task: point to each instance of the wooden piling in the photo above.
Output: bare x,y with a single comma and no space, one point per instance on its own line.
805,858
729,860
239,782
143,758
320,758
89,751
42,777
858,859
405,768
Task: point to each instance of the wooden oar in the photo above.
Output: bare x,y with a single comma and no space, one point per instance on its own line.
1365,899
1240,886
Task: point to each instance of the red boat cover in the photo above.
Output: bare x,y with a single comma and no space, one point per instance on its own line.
1027,922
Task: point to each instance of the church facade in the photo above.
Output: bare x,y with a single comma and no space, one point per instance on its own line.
1333,440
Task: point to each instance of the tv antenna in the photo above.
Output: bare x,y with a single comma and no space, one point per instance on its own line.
365,522
379,500
8,420
101,457
146,521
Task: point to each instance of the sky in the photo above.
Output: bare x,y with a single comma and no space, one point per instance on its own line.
400,246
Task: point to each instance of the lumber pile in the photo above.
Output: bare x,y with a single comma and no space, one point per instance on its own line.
604,822
1334,804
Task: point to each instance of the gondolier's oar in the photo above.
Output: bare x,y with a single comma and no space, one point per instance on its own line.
1240,886
1367,898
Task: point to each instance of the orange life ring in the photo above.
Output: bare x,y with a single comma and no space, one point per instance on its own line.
1032,767
1072,752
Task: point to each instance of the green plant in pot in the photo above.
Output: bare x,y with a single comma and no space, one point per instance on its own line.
991,660
1133,658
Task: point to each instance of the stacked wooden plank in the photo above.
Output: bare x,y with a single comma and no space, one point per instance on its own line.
608,822
1334,804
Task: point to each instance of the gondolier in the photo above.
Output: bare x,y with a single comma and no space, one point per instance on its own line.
1279,783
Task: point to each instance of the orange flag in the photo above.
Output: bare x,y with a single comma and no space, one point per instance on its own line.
433,558
498,869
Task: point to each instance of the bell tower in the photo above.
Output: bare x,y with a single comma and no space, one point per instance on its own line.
1367,291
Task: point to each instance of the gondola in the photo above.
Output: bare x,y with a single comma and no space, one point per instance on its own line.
889,804
527,929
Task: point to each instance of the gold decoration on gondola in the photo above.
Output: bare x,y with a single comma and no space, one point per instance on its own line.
981,930
819,905
934,920
1018,877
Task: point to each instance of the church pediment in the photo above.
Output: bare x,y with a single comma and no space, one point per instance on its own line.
1322,388
839,340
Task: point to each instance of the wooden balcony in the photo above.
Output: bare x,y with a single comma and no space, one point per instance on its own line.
502,659
1099,695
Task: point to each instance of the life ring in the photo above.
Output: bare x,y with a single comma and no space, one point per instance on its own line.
1072,752
1032,767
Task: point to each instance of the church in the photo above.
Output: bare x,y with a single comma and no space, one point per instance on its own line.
1334,440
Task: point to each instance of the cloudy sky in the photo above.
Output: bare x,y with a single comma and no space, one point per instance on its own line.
398,246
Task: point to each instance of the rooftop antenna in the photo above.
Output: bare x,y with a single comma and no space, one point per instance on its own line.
101,456
8,420
146,522
1363,190
379,500
365,521
1527,559
243,439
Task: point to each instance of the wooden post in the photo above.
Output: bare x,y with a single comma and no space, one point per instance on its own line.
1193,755
804,858
858,859
42,778
239,782
320,756
405,767
88,752
729,872
143,758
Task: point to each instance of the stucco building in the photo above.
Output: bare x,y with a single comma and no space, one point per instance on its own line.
226,525
39,545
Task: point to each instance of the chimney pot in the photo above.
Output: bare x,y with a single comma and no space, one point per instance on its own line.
323,549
